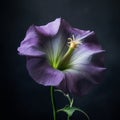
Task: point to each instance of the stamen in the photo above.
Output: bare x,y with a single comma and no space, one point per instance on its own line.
73,37
73,43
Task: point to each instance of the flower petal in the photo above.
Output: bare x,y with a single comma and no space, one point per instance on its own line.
79,85
86,56
42,72
30,45
81,82
51,28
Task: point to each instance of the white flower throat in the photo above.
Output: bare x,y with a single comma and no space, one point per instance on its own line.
73,43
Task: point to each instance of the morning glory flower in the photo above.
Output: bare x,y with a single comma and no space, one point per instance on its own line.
62,56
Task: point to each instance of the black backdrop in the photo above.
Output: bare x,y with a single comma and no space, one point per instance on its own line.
25,99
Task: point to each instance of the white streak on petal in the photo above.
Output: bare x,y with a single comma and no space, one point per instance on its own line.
87,33
82,57
56,48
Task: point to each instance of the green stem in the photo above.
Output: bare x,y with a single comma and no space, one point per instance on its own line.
84,113
68,118
53,103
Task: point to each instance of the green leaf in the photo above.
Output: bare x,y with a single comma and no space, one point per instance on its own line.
70,110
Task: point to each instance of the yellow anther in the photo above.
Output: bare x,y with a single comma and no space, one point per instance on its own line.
73,43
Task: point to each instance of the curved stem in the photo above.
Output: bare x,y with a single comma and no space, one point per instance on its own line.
53,102
84,113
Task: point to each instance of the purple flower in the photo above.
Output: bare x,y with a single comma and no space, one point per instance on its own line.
62,56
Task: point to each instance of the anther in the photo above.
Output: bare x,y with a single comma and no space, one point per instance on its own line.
73,43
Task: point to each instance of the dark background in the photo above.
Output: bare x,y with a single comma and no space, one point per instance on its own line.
26,100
